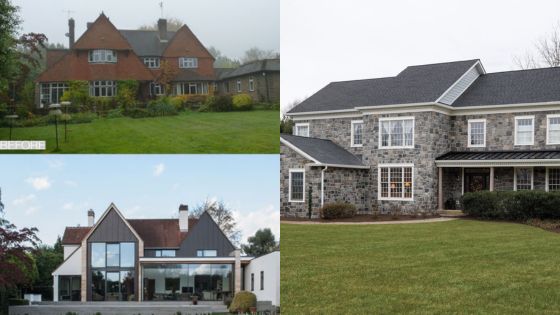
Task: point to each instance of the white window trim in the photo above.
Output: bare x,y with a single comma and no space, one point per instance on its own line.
546,178
239,88
469,122
548,128
515,177
148,61
92,52
515,133
381,119
379,167
301,125
295,170
183,62
251,85
352,123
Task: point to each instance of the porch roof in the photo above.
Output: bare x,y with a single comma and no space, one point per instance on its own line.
499,158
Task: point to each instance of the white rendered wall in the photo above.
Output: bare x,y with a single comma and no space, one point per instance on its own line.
69,249
72,266
270,264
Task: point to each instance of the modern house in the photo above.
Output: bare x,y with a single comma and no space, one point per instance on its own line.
104,55
119,259
260,79
418,141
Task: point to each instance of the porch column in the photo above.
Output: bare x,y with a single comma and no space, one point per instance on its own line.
237,272
440,188
492,179
55,288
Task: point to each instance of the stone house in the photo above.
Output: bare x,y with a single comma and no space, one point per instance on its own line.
260,79
420,140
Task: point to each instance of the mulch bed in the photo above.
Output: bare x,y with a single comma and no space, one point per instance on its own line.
363,218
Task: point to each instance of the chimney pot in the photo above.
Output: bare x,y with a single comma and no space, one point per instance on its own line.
184,218
162,28
91,217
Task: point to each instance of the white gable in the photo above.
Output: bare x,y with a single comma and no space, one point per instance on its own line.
71,266
459,87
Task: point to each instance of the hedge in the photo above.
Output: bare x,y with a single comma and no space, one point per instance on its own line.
512,205
242,301
337,210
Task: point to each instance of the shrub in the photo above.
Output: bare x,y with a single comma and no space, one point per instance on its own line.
13,302
77,93
3,110
242,102
127,90
137,113
115,113
512,205
103,104
242,301
178,101
337,210
162,107
217,104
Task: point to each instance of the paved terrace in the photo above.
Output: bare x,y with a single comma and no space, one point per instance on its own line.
120,308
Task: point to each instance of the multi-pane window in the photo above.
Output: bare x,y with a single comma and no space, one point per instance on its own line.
297,180
553,179
524,130
188,62
103,88
356,134
151,62
206,253
102,56
251,84
396,132
395,182
112,271
301,130
553,129
523,178
238,86
156,89
165,253
192,88
52,92
477,132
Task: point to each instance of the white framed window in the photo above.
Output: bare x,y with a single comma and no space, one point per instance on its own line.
152,62
553,129
188,62
103,88
206,253
395,182
301,129
296,191
192,88
524,130
477,133
165,253
238,86
523,178
552,179
356,133
102,56
156,89
251,84
52,92
396,132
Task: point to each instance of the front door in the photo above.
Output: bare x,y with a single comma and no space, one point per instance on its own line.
477,180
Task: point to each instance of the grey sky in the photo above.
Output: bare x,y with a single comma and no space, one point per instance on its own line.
324,41
231,26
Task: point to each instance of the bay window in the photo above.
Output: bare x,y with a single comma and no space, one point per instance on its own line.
395,181
52,92
103,88
524,130
476,133
397,132
102,56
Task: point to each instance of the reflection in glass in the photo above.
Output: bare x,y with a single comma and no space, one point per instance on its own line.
98,285
113,286
113,258
98,255
127,255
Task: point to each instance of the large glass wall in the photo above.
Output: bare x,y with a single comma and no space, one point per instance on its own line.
69,288
112,271
172,282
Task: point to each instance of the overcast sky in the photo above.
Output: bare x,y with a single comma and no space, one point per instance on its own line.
230,26
324,41
52,192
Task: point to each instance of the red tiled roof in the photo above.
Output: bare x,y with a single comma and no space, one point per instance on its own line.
74,235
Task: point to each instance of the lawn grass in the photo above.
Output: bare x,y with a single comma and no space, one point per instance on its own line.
190,132
455,267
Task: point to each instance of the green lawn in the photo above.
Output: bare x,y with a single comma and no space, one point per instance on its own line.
190,132
455,267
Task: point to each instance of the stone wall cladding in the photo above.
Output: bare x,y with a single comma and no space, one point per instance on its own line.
348,185
289,159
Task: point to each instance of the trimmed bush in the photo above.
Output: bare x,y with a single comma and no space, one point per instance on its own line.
217,104
137,113
512,205
13,302
242,301
127,90
337,210
162,107
242,102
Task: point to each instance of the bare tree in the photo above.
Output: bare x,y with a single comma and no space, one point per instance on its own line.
286,123
255,53
173,25
222,215
546,52
222,61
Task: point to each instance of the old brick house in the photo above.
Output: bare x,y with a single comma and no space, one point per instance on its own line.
423,138
260,79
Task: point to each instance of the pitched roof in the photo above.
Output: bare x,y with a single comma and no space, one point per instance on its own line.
74,235
323,151
500,155
251,67
146,43
415,84
102,35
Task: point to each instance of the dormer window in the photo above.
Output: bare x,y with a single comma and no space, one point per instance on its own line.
102,56
188,62
152,62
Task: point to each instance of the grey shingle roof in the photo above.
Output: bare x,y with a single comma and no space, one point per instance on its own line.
500,155
513,87
252,67
146,43
324,151
415,84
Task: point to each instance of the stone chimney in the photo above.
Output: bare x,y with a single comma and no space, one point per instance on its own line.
71,32
90,217
184,218
162,28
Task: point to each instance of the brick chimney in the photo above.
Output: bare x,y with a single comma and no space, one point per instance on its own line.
162,28
90,217
71,32
184,218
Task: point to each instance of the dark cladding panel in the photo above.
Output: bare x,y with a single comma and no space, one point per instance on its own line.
112,229
205,235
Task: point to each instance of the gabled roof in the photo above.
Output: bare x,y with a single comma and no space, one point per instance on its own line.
257,66
161,233
322,151
146,43
74,235
102,34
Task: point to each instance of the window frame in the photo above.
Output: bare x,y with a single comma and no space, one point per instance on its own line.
188,62
103,87
262,280
548,142
393,165
515,177
297,125
547,179
389,146
152,62
92,54
203,251
252,282
296,170
516,119
251,84
352,123
239,88
469,122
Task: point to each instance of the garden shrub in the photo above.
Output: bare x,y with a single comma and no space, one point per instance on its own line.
178,101
162,107
512,205
337,210
13,302
137,113
3,110
115,113
77,94
195,101
127,90
242,102
220,103
242,301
